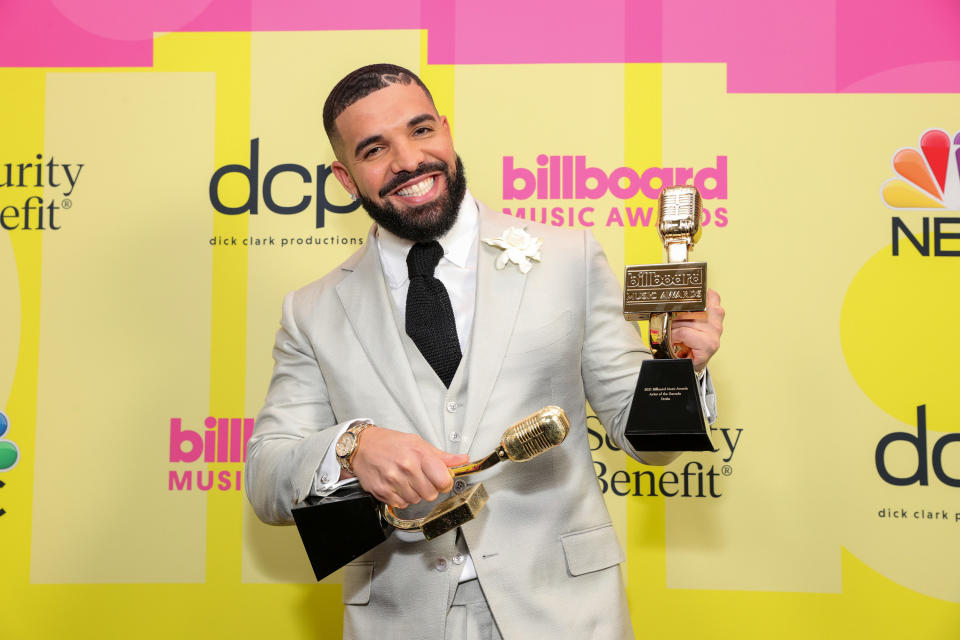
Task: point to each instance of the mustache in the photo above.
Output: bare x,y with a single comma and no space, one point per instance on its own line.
405,176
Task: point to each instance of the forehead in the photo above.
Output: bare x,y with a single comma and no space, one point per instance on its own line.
385,109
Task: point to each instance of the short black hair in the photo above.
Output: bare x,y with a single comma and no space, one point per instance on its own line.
359,84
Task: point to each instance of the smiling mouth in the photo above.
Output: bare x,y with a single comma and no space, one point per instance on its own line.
418,189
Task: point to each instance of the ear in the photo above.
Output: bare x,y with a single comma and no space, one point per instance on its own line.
343,176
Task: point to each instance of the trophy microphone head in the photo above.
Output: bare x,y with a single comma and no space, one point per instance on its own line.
535,434
680,209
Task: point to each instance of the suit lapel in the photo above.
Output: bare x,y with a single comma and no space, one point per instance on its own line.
499,292
365,300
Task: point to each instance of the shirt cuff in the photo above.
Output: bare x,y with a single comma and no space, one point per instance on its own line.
708,396
328,479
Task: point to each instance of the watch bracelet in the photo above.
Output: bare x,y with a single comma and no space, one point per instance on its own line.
347,463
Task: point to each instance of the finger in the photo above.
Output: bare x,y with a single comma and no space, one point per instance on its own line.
715,324
696,339
424,488
438,474
397,480
389,496
454,459
688,334
393,500
689,315
689,323
682,351
408,493
713,316
698,357
714,307
699,354
424,481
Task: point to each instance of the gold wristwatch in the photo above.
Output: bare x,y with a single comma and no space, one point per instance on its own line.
347,445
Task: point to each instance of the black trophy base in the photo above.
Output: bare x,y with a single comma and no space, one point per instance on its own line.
666,414
339,528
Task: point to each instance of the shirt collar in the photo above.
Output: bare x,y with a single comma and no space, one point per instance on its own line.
456,244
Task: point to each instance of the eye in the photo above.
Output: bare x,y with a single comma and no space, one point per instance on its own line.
420,131
369,152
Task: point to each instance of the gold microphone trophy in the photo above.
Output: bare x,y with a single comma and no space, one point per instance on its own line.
667,414
341,527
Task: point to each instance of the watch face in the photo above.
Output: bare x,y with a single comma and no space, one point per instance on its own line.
346,443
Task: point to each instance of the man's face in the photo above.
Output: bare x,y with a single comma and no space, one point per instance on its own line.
396,155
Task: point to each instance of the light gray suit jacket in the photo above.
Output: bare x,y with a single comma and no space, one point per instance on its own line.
544,548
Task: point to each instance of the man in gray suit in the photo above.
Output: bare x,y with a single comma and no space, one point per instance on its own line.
384,376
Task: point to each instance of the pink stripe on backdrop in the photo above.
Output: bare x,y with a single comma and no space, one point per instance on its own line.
643,31
768,46
223,15
820,46
438,17
129,21
308,15
508,31
112,33
897,46
924,77
34,33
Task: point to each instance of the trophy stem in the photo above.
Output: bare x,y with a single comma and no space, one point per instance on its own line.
478,465
677,251
660,336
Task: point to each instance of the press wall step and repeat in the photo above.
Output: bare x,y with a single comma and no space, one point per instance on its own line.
165,179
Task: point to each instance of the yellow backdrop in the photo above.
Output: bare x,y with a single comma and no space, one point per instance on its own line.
135,344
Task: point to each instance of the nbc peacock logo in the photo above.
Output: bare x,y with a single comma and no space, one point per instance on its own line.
9,453
928,177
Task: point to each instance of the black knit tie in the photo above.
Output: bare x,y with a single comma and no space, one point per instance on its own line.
430,321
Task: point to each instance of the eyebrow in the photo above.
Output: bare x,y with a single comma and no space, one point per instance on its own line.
414,121
421,118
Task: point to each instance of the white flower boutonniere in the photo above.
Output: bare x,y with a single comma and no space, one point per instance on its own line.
519,247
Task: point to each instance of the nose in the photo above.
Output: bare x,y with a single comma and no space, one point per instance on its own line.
407,156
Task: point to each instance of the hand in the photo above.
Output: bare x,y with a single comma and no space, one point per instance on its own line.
401,469
698,332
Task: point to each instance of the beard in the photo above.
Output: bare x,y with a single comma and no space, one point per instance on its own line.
429,220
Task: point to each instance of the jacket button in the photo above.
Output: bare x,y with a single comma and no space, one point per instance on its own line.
459,485
441,564
451,407
459,558
454,436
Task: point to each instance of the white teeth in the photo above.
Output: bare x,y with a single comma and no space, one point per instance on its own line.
417,189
